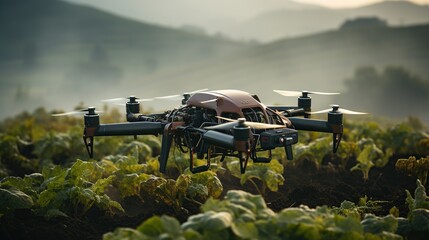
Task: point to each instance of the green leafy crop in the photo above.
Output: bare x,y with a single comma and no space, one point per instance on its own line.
417,223
270,175
415,167
369,156
71,191
241,215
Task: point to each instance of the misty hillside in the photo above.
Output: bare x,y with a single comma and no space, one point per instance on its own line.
212,15
56,54
317,62
48,46
297,22
54,27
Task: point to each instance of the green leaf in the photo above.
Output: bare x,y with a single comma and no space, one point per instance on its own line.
106,203
315,150
152,227
419,220
346,224
11,199
171,225
250,201
271,174
191,234
101,184
210,180
130,184
164,227
194,222
30,184
216,221
86,171
109,168
182,183
211,224
137,150
124,233
198,192
245,230
167,192
421,200
54,213
53,198
376,225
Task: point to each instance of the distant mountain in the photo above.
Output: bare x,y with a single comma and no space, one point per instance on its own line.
54,26
397,13
212,15
290,23
48,46
315,62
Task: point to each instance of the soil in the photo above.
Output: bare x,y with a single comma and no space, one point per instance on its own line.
304,184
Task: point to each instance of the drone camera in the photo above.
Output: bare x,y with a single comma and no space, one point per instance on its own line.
278,138
285,137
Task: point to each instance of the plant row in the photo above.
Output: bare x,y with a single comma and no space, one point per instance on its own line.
241,215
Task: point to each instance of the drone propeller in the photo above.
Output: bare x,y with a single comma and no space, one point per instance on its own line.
130,98
170,97
336,108
178,96
231,123
197,91
89,110
301,93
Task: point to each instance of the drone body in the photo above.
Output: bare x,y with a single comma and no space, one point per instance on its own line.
219,123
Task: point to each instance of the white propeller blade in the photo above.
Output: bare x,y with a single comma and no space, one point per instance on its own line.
297,93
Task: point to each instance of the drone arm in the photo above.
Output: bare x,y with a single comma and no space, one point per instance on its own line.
127,129
138,117
290,111
219,139
333,125
311,125
94,128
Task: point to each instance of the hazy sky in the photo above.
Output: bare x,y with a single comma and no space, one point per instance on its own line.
350,3
212,15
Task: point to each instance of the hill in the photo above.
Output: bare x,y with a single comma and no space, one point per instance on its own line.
212,15
71,52
297,22
316,62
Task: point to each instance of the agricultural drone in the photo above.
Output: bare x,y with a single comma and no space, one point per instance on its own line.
221,123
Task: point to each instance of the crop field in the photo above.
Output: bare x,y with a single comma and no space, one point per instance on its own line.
372,188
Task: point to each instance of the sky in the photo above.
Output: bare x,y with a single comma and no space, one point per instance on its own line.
349,3
213,15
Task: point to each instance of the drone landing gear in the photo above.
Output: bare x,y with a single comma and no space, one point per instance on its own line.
89,144
287,143
243,161
257,159
198,169
336,139
167,138
289,152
